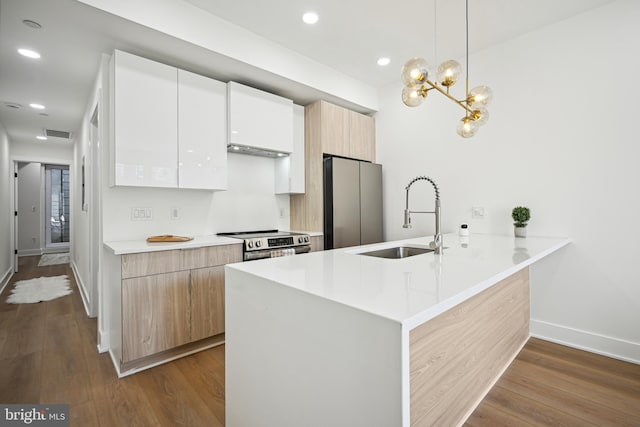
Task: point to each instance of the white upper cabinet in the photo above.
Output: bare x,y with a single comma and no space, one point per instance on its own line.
169,126
145,129
202,132
259,119
289,172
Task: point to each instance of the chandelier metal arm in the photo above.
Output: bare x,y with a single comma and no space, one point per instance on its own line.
446,93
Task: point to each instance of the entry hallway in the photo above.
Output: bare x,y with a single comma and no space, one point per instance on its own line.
48,355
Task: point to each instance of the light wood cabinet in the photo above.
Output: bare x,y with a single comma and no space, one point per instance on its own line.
153,310
207,302
329,129
169,303
317,243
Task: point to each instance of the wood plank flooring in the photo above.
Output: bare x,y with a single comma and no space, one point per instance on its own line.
48,355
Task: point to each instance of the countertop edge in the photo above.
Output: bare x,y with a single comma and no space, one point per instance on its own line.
125,247
436,310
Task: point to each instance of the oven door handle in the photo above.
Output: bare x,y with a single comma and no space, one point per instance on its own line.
266,253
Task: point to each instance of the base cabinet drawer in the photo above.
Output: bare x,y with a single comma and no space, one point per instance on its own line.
155,315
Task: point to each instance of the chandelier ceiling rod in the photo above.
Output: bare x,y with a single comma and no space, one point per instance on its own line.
415,76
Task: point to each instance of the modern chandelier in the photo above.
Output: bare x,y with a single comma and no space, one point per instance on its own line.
416,75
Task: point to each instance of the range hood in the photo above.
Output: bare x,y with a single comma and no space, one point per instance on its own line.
253,151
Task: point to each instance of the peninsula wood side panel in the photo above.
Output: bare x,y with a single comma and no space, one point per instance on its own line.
456,357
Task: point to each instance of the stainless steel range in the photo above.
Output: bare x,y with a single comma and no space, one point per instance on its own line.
271,243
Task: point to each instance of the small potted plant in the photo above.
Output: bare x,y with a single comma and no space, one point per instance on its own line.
521,216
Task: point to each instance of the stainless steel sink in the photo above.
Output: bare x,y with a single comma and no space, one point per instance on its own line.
397,252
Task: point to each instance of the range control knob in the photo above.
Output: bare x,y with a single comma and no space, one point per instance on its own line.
306,239
250,244
258,243
300,239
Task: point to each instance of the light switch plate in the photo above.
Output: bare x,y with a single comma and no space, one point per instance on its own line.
477,212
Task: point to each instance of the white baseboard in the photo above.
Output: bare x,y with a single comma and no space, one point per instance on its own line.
588,341
29,252
6,277
81,288
103,341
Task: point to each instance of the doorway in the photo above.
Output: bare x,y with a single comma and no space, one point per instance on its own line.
58,212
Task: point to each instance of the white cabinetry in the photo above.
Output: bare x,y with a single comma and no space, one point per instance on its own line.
259,119
145,108
169,126
289,171
202,132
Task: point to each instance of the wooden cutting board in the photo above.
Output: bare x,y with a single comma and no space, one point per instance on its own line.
168,238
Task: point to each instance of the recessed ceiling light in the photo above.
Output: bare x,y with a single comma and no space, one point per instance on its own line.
383,61
41,138
37,106
310,18
31,24
29,53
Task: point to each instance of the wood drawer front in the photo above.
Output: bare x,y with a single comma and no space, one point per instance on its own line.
207,302
147,263
155,314
317,243
211,256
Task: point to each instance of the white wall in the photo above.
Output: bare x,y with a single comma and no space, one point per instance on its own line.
42,152
561,140
6,173
248,204
30,209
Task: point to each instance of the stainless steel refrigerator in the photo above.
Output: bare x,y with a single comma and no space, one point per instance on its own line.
352,202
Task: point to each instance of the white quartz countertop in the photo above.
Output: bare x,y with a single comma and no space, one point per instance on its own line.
123,247
410,290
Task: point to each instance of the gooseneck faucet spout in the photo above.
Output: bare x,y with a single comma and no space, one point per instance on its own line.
437,238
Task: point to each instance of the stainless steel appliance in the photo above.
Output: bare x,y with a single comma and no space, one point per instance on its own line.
270,243
352,202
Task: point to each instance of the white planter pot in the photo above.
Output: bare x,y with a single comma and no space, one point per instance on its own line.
520,231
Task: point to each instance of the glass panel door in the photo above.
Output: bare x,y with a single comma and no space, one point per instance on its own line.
57,205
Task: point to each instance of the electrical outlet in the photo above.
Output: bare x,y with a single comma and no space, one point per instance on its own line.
175,213
477,212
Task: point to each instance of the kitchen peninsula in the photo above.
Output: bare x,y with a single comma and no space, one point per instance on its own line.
344,339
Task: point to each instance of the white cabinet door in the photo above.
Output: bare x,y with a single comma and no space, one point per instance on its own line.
145,122
259,119
202,132
289,171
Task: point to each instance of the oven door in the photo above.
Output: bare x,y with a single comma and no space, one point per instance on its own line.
274,253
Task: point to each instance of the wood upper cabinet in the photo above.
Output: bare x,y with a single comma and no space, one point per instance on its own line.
334,129
207,302
155,314
362,137
144,103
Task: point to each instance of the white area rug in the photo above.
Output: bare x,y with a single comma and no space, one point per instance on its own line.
53,259
40,289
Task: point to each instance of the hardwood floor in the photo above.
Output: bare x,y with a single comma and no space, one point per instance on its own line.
48,355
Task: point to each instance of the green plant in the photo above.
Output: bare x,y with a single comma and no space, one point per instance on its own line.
520,215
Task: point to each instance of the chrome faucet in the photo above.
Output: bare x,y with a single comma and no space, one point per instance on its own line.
437,238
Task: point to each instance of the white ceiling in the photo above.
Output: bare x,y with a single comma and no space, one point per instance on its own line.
349,37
